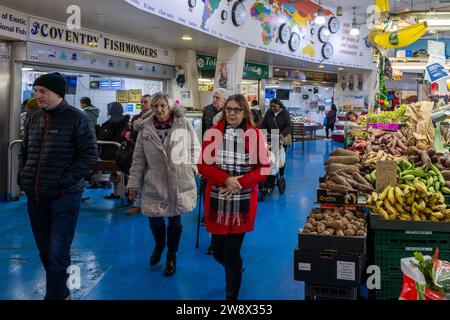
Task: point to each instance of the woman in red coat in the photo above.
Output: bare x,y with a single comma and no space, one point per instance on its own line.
234,160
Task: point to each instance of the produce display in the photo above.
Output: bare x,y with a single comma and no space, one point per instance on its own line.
423,158
300,119
371,159
336,222
396,116
393,143
343,173
418,196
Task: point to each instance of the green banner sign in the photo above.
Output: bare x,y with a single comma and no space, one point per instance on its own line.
251,70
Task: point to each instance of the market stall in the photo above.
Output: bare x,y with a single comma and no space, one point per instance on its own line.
382,200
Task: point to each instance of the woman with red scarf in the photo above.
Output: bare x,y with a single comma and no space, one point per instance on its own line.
234,160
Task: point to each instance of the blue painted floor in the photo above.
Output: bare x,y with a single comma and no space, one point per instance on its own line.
112,250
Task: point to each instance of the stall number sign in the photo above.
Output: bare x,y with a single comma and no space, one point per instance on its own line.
122,96
134,95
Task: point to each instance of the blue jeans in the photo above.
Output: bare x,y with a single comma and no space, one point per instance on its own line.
158,222
53,222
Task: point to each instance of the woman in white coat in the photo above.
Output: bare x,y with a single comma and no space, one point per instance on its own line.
165,159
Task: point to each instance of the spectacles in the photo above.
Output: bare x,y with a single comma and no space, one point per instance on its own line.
234,110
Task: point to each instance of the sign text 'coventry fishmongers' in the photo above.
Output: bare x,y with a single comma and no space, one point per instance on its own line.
58,34
93,41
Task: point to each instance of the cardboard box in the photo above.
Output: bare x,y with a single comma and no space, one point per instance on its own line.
326,196
329,268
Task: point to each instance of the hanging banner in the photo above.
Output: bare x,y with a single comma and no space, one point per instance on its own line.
13,24
224,75
436,72
58,34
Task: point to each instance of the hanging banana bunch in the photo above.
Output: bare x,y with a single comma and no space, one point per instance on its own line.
395,39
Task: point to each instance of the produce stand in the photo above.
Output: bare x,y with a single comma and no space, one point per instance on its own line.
405,191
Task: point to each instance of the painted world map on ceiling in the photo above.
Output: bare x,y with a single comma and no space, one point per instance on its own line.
300,13
208,10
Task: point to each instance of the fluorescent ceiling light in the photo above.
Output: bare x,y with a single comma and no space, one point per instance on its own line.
204,80
340,69
321,66
437,22
27,69
186,37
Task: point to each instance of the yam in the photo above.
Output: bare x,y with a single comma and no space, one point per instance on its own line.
447,163
346,168
344,153
343,160
339,180
337,188
360,179
446,174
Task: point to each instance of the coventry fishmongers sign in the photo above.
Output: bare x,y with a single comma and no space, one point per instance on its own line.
59,34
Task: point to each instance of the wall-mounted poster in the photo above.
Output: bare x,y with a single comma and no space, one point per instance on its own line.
122,96
224,75
134,96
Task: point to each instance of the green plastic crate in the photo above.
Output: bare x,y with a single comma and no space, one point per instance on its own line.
391,286
390,246
386,240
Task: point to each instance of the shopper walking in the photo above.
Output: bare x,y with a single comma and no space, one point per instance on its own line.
232,175
92,111
58,150
277,118
30,106
331,121
169,184
112,130
132,131
256,112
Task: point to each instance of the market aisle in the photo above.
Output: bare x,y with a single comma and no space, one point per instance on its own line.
112,250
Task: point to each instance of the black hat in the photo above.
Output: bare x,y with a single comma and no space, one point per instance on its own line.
52,81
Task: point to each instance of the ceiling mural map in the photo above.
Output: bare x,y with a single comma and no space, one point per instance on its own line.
283,27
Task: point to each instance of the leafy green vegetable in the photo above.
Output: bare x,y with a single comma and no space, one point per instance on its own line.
426,267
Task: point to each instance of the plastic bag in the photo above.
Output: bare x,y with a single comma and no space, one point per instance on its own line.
415,284
441,274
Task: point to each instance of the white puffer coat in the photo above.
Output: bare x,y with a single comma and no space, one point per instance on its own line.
168,168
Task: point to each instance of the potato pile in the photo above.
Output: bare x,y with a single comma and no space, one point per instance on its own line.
337,222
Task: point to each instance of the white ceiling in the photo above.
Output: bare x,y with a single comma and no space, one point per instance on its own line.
119,18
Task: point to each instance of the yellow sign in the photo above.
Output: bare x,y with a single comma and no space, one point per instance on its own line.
134,96
121,96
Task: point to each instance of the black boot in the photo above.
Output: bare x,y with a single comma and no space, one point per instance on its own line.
173,240
160,243
233,284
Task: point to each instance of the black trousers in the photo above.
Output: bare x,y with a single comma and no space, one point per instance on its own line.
227,251
328,128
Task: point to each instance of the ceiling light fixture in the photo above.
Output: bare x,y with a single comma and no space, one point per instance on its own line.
340,69
27,69
321,66
186,37
354,31
340,10
320,19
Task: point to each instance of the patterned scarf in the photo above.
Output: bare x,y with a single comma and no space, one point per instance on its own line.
234,159
163,128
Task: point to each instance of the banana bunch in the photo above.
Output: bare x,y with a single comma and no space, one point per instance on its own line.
409,202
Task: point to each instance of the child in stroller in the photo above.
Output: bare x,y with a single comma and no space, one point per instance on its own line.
277,161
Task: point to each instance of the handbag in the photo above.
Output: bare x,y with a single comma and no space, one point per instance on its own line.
287,139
